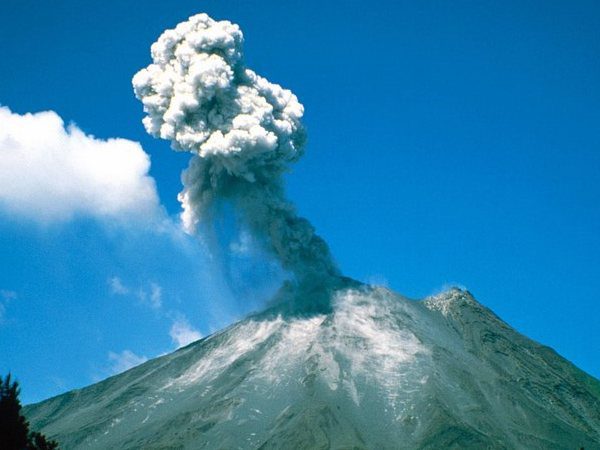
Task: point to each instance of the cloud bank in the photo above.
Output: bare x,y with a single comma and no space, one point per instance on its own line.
52,173
244,133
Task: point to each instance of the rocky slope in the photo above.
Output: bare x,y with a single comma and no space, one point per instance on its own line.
378,371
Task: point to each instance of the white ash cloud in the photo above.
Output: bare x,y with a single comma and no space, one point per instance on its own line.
244,132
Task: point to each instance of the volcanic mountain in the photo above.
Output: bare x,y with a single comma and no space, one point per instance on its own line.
374,371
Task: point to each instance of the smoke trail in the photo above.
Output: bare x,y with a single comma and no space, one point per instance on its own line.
244,132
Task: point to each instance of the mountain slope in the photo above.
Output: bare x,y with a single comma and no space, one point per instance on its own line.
378,371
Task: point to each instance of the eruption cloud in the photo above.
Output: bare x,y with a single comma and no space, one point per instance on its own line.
244,132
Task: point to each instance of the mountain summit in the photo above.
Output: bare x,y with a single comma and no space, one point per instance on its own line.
377,371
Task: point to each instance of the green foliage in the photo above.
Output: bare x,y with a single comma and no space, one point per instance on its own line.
37,441
13,426
14,429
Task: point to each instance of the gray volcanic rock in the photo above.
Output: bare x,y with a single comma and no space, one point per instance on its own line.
378,371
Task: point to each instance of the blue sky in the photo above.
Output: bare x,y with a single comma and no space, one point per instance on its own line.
449,143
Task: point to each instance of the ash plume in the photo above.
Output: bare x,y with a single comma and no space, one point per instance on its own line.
244,133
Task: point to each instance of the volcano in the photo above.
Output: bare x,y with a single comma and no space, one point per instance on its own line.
375,371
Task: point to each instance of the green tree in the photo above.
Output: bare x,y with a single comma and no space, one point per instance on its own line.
38,441
14,428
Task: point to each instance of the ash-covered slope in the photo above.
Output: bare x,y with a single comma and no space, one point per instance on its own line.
378,371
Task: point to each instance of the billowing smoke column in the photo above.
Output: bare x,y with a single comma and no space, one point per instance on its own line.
243,131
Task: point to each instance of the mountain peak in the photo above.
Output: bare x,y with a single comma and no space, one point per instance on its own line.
376,370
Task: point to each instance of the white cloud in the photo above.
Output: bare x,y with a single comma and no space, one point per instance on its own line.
182,333
117,286
49,173
120,362
155,296
5,297
151,298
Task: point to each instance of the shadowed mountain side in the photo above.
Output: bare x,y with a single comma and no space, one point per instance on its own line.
377,371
